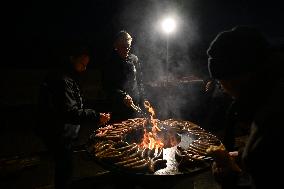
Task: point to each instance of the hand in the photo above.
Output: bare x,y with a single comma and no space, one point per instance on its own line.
104,118
219,154
209,86
225,166
128,101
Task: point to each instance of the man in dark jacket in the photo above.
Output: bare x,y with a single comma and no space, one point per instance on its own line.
61,111
123,79
240,60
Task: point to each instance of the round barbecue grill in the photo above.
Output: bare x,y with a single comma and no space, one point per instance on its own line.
118,147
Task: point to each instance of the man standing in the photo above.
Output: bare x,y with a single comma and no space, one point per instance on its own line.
123,79
61,111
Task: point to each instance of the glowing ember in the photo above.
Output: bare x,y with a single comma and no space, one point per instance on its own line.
150,139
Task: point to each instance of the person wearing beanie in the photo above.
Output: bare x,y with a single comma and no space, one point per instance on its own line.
240,59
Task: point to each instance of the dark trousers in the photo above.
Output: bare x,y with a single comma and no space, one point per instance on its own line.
63,165
61,149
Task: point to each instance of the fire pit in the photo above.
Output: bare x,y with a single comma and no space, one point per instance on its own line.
152,146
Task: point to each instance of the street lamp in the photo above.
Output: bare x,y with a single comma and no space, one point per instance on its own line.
169,26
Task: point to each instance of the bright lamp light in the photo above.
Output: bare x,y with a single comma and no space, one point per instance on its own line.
168,25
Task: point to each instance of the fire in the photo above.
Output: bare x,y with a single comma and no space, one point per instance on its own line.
150,139
154,122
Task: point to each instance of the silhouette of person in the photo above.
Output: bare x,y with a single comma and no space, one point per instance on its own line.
61,110
240,59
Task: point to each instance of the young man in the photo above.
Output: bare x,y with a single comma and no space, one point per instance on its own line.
61,111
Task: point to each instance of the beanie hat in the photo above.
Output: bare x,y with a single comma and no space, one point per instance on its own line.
236,51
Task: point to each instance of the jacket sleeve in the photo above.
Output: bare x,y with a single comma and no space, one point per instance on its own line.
112,83
69,109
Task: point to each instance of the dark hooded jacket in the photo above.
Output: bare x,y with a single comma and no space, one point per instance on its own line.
60,106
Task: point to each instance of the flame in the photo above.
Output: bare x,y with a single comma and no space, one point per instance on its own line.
150,139
154,122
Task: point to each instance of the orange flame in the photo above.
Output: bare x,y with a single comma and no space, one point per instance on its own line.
153,121
150,139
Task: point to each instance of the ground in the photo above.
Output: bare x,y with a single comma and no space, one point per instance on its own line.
88,174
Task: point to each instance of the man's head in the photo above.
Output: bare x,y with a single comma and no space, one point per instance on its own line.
80,62
122,44
76,57
236,55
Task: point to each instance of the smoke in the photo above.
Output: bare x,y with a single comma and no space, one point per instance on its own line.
142,19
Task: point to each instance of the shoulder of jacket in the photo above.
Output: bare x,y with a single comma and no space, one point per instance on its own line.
67,80
133,57
56,81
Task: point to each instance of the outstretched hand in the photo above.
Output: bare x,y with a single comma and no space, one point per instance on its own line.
224,162
104,118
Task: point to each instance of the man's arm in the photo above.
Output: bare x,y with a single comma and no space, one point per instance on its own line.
70,110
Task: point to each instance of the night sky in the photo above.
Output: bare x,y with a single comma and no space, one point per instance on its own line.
35,29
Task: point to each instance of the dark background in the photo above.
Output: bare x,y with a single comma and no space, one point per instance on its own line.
33,31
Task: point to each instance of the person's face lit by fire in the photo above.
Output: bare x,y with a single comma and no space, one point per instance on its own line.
122,45
80,63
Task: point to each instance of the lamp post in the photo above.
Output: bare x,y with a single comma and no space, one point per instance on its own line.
168,25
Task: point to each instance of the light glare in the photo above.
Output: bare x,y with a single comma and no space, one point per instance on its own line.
168,25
